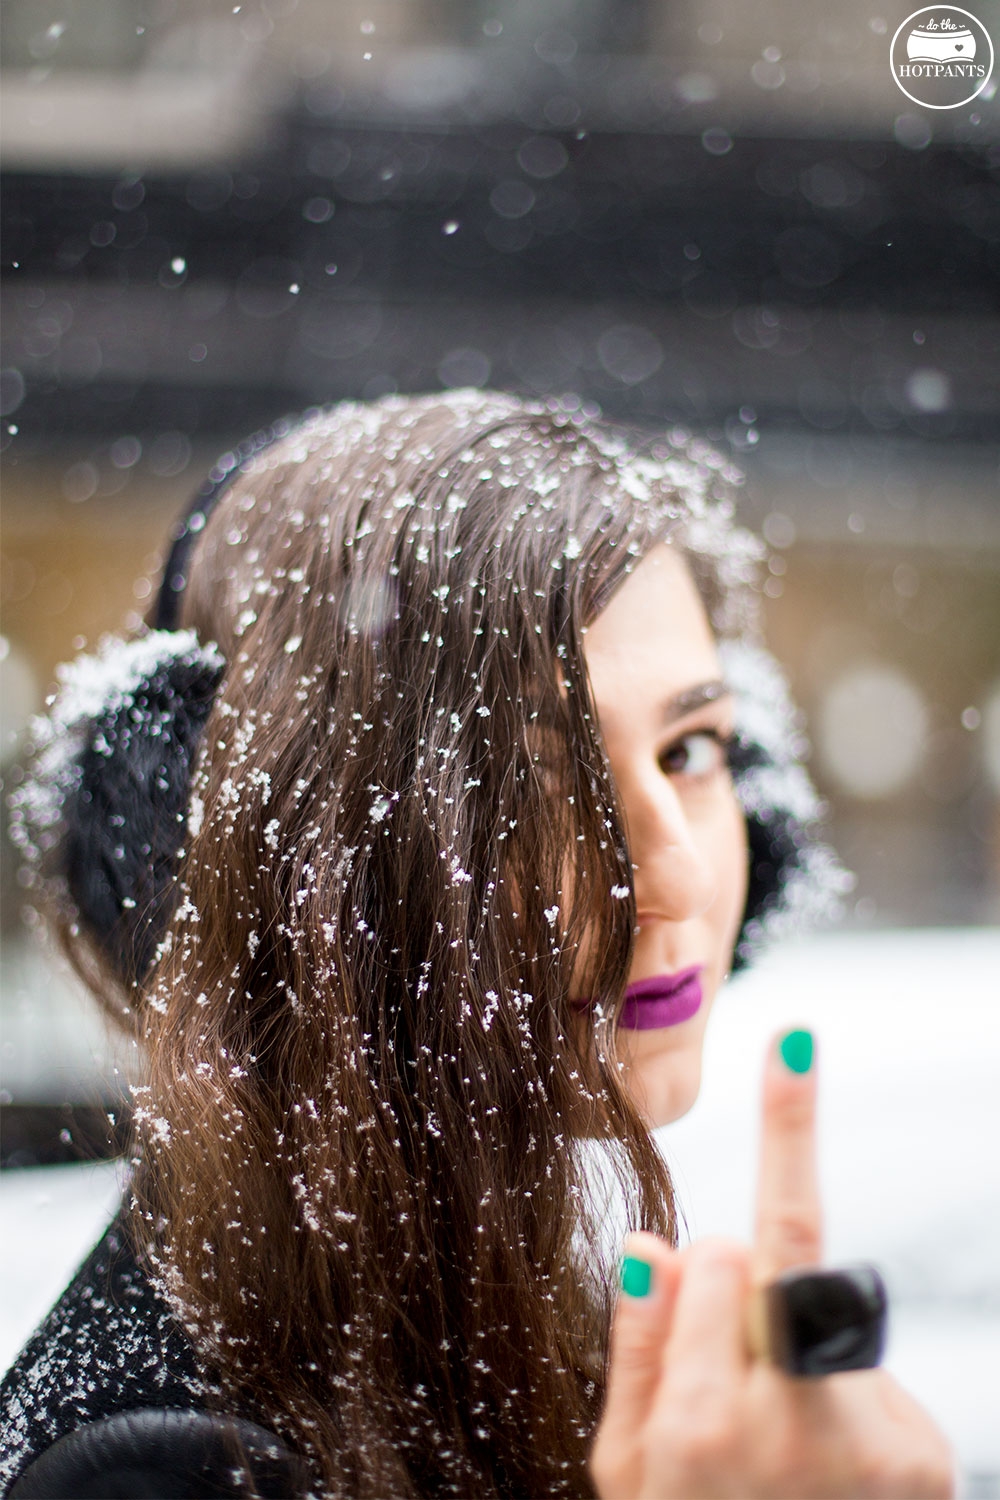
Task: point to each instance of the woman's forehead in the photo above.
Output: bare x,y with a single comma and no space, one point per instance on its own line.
658,591
653,639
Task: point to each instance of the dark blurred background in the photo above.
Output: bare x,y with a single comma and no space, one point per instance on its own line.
708,213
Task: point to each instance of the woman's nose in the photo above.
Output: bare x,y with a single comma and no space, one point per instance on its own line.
674,877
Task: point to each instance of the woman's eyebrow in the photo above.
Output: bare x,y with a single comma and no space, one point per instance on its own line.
688,699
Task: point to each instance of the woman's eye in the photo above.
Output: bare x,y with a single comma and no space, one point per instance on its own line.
698,754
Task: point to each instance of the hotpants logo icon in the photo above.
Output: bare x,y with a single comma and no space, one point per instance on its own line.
941,57
926,45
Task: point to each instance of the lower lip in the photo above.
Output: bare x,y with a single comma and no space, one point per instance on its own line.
665,1000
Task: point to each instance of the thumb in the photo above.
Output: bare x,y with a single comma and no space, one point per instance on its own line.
651,1274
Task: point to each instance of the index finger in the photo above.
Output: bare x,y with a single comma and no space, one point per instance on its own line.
789,1229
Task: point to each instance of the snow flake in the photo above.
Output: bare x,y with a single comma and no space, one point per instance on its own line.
490,1009
196,815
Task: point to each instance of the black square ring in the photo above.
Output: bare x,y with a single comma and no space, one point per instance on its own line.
815,1321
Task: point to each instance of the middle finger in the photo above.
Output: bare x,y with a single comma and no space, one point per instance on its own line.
789,1228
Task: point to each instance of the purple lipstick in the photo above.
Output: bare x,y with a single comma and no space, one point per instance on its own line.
664,1000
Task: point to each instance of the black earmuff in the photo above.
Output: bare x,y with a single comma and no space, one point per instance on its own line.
794,880
124,817
102,816
779,853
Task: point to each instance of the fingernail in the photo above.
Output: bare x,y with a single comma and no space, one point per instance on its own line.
636,1276
796,1048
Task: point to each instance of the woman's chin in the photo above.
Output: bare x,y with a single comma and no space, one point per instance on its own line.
665,1088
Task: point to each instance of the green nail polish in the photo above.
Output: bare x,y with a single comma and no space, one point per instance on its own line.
637,1277
797,1051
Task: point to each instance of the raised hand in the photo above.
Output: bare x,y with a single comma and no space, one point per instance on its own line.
690,1413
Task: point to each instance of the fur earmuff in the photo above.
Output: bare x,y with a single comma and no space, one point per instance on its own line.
102,817
795,881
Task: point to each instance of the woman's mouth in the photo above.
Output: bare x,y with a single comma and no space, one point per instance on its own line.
664,1000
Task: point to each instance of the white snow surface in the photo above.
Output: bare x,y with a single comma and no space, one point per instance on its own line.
908,1040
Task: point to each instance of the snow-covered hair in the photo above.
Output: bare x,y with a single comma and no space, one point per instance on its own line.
101,818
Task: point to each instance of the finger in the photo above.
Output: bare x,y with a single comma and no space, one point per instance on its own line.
706,1350
650,1276
789,1230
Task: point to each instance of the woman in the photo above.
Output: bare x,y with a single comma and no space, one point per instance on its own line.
436,711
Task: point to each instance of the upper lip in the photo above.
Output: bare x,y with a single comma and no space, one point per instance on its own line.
654,985
671,981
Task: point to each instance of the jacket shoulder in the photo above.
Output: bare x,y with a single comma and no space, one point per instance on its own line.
170,1454
110,1344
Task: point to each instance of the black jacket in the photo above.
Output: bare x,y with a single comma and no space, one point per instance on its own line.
105,1400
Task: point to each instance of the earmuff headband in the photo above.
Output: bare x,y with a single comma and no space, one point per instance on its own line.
166,615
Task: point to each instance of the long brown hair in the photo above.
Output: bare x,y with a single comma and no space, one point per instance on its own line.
358,1178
